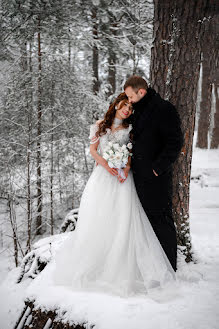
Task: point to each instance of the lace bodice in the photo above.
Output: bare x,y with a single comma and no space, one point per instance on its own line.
120,136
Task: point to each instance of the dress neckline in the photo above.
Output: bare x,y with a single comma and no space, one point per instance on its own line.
116,130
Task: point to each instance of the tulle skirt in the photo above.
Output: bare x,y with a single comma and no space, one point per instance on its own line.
113,248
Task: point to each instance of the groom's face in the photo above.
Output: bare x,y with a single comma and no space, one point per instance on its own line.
134,96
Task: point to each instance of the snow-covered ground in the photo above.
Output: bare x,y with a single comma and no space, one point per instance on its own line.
194,304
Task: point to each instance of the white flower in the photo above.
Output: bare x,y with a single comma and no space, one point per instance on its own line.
129,145
117,164
116,155
118,159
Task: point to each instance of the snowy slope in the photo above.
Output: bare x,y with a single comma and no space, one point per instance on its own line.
193,303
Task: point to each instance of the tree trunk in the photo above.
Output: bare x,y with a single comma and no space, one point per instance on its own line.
111,72
73,181
160,52
208,50
112,61
95,51
39,118
205,104
14,228
59,173
26,71
69,48
29,121
174,71
134,58
85,160
215,133
28,201
51,176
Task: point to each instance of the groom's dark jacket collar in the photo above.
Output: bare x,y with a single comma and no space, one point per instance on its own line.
143,110
141,105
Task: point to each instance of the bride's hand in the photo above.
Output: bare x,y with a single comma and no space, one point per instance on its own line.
126,172
112,171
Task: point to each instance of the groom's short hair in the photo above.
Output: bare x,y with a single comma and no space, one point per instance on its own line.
136,82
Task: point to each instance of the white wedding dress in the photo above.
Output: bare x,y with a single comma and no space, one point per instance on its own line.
113,248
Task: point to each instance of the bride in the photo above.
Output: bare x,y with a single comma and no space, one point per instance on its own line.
113,248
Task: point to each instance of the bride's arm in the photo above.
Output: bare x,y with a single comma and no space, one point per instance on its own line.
100,160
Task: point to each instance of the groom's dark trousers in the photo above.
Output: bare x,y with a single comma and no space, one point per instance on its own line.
157,141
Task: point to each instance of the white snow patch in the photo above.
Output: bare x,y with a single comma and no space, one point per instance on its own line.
192,303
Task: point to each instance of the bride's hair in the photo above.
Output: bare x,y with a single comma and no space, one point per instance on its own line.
110,115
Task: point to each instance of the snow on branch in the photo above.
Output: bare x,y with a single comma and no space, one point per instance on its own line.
70,221
37,259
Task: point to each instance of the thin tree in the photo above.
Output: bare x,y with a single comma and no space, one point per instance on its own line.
29,110
39,123
209,57
215,132
95,50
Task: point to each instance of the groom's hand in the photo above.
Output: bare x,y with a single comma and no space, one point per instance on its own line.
155,173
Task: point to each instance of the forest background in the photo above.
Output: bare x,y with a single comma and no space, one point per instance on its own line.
61,64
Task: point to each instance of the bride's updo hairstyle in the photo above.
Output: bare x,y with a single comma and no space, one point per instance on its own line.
111,113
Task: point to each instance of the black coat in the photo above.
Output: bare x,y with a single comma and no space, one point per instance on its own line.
157,141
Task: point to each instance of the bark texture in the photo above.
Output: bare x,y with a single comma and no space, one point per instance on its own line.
209,58
95,52
175,65
112,59
39,119
160,51
215,132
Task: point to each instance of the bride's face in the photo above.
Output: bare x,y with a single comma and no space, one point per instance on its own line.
124,112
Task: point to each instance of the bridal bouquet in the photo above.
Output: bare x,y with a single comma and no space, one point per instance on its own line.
117,156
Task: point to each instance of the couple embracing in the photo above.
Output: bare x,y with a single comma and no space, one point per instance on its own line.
125,238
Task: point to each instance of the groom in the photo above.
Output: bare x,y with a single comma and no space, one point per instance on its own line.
157,141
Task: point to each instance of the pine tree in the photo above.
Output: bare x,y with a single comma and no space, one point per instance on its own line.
175,66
